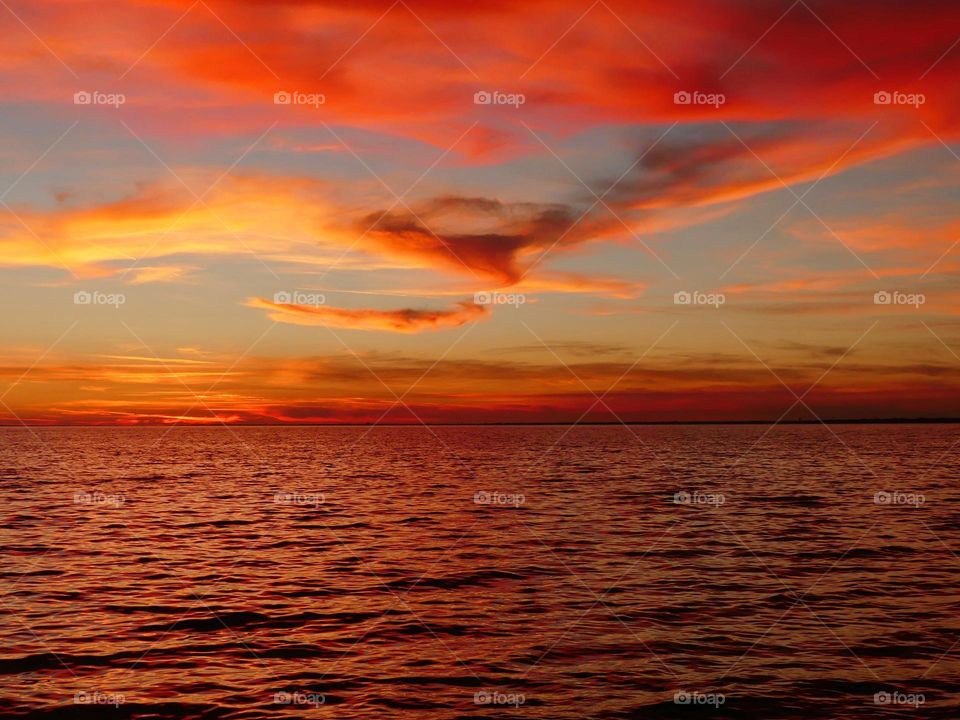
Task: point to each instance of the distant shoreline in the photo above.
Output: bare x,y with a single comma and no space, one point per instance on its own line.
859,421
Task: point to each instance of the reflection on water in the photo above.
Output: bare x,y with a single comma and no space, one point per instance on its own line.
541,572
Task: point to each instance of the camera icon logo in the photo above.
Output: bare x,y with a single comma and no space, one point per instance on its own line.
882,97
82,97
282,298
82,297
882,297
682,298
682,97
282,97
482,97
482,298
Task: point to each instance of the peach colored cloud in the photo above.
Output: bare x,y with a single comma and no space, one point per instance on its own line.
406,320
906,231
162,273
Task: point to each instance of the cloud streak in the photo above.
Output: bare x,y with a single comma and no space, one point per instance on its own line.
404,320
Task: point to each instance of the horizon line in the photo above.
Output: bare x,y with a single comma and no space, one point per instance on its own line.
214,425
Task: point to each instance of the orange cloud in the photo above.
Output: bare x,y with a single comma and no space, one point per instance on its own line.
293,221
402,321
242,216
527,383
907,231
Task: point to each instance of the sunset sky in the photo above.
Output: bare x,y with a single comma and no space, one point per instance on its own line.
383,198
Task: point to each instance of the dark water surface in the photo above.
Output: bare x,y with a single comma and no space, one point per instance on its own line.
511,572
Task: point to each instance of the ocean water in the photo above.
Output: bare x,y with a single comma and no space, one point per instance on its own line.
460,572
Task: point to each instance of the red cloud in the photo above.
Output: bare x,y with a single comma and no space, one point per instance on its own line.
412,68
623,61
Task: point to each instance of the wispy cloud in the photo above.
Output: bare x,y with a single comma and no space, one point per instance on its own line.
405,320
